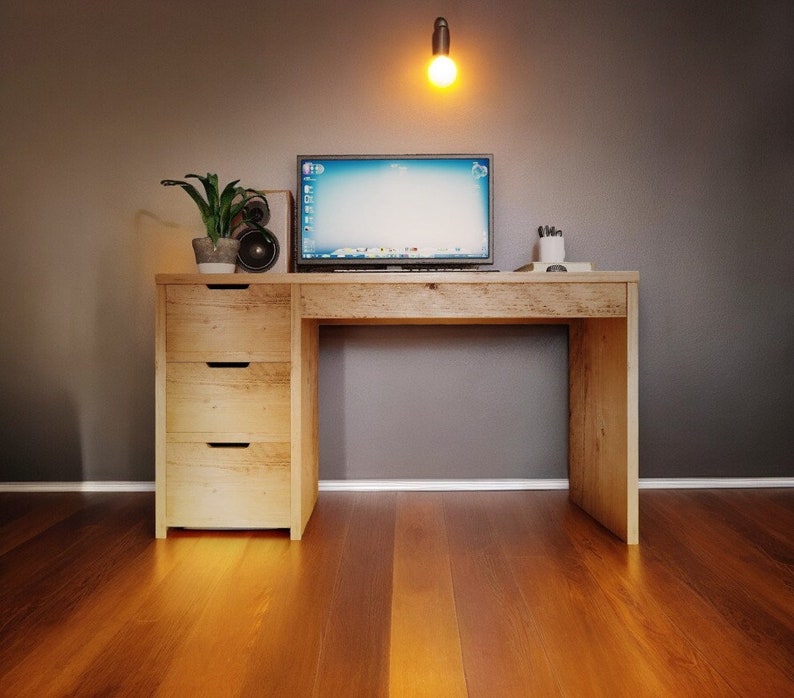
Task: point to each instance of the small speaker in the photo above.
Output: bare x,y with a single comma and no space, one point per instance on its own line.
259,250
268,249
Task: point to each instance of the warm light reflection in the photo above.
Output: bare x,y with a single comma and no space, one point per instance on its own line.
442,71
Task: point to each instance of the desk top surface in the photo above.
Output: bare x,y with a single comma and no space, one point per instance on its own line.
404,277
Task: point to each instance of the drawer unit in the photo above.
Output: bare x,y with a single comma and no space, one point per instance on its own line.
223,371
232,322
217,485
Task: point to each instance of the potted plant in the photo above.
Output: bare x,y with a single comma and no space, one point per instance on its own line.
221,212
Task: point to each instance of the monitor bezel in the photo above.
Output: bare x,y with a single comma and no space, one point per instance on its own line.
413,264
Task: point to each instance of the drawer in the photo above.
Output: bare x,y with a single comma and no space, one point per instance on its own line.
235,399
228,485
237,322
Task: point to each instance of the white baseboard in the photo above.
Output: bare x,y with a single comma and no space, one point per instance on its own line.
439,485
697,483
80,486
422,485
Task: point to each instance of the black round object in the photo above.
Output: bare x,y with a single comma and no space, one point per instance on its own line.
257,211
259,249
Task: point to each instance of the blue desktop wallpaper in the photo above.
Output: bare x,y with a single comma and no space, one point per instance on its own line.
397,207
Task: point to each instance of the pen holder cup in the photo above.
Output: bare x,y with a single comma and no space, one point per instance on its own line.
552,249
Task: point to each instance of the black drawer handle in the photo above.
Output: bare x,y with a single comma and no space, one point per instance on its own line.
232,444
228,364
227,287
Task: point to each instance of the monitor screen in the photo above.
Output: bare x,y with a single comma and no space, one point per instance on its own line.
394,211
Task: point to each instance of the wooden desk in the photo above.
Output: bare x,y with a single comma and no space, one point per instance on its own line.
236,382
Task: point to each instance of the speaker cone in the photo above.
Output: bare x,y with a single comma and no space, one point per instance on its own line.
259,249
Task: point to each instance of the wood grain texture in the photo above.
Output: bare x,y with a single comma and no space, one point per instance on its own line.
228,485
463,302
269,327
425,651
235,322
499,634
467,277
354,659
408,594
602,454
160,402
248,399
305,410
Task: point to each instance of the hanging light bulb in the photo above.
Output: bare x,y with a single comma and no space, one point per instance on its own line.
442,70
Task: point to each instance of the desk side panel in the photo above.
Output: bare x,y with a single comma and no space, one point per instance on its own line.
160,526
603,422
633,411
304,420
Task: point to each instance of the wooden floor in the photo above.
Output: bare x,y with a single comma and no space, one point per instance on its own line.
403,594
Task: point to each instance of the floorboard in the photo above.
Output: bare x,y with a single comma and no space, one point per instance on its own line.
499,634
438,594
425,647
354,657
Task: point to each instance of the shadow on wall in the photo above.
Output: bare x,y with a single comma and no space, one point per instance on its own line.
169,241
41,437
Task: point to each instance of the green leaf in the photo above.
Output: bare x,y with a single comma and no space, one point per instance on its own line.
204,209
225,210
212,229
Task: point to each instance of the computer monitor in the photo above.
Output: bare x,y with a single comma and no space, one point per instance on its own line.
394,212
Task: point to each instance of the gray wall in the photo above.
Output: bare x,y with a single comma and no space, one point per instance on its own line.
658,135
